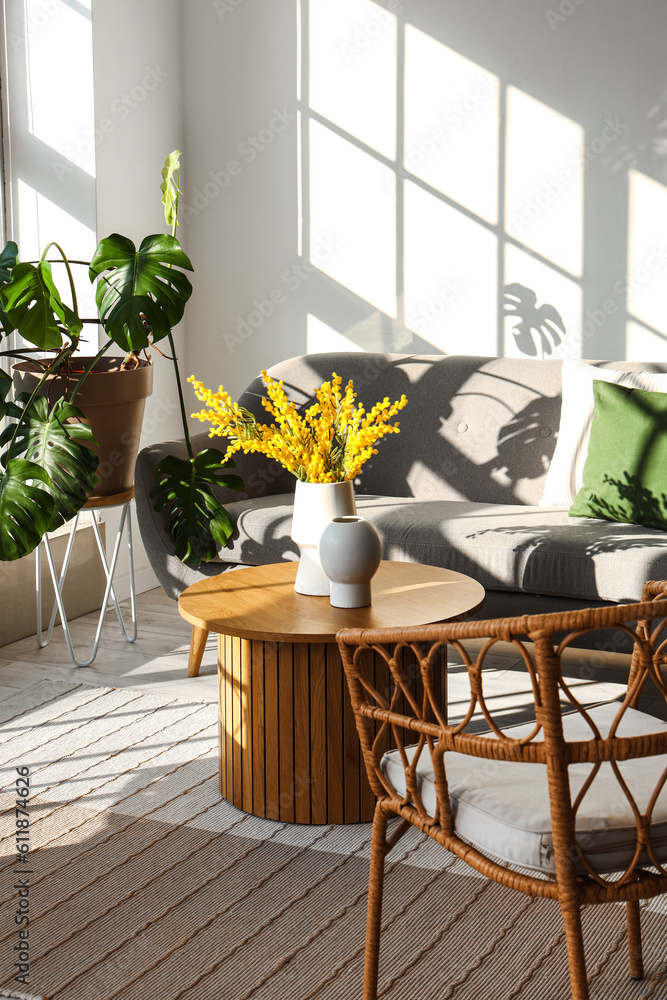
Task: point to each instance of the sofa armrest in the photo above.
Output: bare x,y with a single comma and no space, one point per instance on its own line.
261,476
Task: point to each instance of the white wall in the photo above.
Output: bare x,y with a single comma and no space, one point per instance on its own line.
240,63
139,120
453,150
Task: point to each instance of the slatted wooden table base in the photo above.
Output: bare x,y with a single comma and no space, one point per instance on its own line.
289,748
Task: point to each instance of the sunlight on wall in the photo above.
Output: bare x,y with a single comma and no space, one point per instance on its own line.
50,133
39,222
545,180
547,322
450,276
489,255
646,281
645,344
322,338
353,211
60,92
451,123
352,61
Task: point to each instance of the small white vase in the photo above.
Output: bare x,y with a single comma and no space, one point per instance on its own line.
350,553
315,504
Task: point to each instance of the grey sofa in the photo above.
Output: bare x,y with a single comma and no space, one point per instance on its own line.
458,487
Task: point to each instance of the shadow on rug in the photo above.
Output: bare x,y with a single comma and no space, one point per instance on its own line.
145,884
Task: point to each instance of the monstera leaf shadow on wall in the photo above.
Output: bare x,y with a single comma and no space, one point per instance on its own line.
47,465
538,330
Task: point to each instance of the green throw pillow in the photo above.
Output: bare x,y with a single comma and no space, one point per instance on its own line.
625,475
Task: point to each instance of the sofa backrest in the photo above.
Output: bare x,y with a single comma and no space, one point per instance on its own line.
481,429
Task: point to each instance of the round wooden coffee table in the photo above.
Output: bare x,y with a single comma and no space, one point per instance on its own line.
288,742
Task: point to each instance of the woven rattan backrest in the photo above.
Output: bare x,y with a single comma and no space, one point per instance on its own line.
399,705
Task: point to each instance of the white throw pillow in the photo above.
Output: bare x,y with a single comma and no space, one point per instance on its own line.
564,478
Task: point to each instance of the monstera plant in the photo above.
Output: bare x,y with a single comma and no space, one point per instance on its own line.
48,461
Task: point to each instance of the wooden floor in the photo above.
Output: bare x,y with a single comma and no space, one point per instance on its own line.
157,663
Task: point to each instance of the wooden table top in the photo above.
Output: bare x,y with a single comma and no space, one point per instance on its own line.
260,603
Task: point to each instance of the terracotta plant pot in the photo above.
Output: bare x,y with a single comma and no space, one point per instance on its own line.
113,401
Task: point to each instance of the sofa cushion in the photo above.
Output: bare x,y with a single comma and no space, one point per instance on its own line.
504,547
490,813
565,474
625,475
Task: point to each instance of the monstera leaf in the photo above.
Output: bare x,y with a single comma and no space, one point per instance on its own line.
34,307
27,510
59,450
196,520
137,285
170,187
8,259
5,388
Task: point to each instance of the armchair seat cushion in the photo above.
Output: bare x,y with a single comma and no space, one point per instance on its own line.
502,807
508,547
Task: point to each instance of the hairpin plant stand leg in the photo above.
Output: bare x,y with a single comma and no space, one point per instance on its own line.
124,528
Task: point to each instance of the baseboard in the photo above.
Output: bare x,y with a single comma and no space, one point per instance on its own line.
83,590
144,580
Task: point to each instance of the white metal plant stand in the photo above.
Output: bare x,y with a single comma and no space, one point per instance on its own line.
95,504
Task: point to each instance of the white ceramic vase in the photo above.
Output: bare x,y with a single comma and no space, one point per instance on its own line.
350,553
315,504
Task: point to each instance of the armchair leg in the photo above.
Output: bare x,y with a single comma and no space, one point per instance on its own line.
374,914
571,912
197,646
635,939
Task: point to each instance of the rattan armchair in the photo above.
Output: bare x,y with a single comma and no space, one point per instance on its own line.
587,823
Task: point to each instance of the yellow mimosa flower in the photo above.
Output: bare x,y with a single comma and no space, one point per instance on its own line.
327,443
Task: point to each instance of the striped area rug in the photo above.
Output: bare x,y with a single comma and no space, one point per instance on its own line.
145,885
